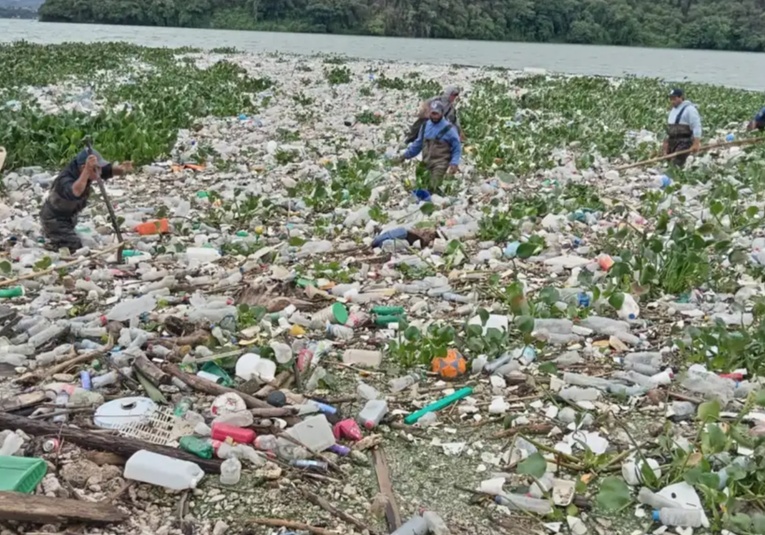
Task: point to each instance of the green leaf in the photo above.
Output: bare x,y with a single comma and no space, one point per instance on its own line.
526,250
620,269
616,300
614,494
549,295
741,522
760,398
525,324
709,479
484,315
709,411
44,263
412,333
548,367
714,440
5,267
428,208
534,465
296,241
152,391
716,208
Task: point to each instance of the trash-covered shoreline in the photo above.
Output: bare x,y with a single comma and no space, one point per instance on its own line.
300,339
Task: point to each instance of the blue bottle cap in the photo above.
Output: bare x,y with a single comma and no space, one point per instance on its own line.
656,516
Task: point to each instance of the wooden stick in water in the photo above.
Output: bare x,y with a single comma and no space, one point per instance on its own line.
705,148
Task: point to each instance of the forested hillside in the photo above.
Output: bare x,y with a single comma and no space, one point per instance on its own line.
715,24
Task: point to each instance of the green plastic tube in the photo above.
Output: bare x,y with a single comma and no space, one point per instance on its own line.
15,291
438,405
387,311
386,320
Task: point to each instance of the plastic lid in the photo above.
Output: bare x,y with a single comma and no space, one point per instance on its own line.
340,313
124,411
656,516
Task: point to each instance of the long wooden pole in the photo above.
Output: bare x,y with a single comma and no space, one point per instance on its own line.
705,148
112,215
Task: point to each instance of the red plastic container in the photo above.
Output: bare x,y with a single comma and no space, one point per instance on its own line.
347,429
237,434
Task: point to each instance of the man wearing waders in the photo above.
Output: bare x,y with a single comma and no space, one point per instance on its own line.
69,194
439,142
683,127
449,100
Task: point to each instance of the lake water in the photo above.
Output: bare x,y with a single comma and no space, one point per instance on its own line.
735,69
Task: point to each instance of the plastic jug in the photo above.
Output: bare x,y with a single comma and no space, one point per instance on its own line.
163,471
372,413
230,471
629,310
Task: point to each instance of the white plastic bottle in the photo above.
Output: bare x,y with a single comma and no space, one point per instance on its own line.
372,413
519,502
366,392
416,525
629,310
163,471
402,383
674,516
131,308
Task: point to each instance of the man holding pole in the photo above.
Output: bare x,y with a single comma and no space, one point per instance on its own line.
683,128
69,195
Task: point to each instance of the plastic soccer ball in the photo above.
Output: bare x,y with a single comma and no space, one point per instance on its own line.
452,366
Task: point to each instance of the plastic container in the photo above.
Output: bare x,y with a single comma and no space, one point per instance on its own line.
372,413
230,471
519,502
131,308
197,446
366,392
21,474
630,310
336,314
11,445
14,291
687,518
202,255
315,433
163,471
387,310
339,332
106,379
237,434
158,226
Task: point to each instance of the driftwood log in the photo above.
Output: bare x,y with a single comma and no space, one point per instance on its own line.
45,510
96,440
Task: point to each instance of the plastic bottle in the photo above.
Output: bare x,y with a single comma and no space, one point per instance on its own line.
237,434
687,518
402,383
44,359
131,308
416,525
309,464
339,332
8,293
199,447
106,379
629,310
183,406
47,335
393,234
230,471
202,255
366,392
520,502
11,445
372,413
266,442
85,380
647,497
662,181
62,400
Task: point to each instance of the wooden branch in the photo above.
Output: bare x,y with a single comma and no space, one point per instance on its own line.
334,511
705,148
51,269
278,523
392,514
533,429
275,412
22,401
151,371
279,380
214,389
45,510
123,446
43,373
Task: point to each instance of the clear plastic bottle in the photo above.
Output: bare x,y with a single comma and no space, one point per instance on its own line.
47,335
402,383
416,525
130,308
106,379
62,400
266,442
11,445
366,392
687,518
629,310
372,413
647,497
230,471
520,502
44,359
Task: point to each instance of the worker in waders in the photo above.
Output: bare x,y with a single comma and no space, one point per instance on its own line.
683,127
69,194
449,99
440,144
758,123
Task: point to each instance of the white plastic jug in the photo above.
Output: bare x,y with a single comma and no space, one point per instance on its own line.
629,310
163,471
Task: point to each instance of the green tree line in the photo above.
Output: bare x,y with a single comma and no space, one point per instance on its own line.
708,24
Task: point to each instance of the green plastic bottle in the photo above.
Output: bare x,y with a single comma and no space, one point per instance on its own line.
387,311
198,446
386,320
15,291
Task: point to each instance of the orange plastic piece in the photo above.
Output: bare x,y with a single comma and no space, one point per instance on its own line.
605,262
452,366
158,226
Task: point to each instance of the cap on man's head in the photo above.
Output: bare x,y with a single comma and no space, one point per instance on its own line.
452,90
677,92
82,157
437,107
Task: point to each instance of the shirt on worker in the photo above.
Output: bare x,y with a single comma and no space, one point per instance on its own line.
432,131
688,115
63,186
759,119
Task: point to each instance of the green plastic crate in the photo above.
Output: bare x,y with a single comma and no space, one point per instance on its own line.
21,474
